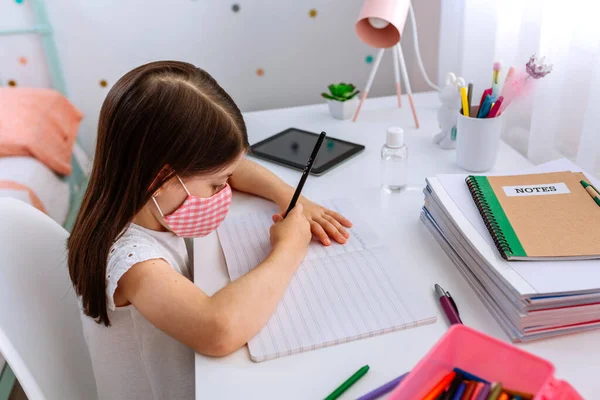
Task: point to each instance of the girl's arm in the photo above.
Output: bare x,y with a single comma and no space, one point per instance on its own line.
252,178
222,323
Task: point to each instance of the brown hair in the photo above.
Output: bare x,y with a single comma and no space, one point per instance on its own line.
161,114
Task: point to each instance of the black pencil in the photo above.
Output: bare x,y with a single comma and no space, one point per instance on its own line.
305,173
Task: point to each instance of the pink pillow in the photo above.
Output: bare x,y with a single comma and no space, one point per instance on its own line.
40,123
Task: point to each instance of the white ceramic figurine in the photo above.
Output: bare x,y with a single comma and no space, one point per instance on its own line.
447,114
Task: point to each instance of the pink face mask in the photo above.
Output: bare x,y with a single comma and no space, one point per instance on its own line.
198,216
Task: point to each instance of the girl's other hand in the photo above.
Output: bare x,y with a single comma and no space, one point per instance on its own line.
326,224
291,234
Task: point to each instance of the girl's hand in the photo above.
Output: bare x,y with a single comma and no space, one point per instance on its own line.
325,224
291,234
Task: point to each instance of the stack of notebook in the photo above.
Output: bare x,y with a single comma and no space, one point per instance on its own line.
528,244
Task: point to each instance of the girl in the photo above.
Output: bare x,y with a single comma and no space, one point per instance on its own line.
171,146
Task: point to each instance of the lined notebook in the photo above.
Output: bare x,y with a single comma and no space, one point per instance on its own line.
340,293
546,216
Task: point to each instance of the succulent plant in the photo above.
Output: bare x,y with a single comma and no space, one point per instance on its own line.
341,92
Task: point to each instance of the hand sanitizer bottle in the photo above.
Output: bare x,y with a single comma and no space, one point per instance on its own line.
394,154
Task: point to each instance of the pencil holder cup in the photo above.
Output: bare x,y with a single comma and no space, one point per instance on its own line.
477,141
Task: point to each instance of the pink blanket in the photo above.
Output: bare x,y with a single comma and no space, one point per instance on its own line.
40,123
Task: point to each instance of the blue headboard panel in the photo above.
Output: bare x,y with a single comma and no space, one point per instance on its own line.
44,29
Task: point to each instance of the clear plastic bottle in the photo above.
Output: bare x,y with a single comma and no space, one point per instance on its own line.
394,159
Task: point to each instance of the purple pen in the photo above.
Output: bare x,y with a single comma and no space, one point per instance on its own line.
448,305
380,391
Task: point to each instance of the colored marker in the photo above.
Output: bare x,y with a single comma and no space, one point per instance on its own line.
469,390
465,102
478,388
495,393
453,387
495,110
440,387
348,383
485,392
460,391
486,92
383,389
485,107
470,96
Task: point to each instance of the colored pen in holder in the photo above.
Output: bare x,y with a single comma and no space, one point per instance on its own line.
477,141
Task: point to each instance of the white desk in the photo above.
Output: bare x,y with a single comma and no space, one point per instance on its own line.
315,374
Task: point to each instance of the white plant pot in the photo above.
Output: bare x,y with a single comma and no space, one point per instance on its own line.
342,109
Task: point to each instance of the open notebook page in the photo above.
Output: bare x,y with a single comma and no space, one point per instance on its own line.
340,293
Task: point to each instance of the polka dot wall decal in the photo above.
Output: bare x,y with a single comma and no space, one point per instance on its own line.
103,83
312,13
12,83
235,8
369,59
22,60
260,72
19,1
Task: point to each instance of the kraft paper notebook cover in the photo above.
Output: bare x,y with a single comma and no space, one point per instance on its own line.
539,216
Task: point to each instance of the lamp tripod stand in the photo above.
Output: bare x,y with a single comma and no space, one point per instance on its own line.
399,67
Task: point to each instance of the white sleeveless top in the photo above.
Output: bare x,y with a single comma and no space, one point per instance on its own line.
132,359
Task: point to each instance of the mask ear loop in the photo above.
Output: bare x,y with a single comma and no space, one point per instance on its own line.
157,206
186,189
156,203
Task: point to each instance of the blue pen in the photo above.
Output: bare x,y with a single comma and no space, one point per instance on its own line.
460,391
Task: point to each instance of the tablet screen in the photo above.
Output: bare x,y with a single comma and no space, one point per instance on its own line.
293,147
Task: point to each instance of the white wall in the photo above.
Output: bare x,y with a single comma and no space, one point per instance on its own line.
300,55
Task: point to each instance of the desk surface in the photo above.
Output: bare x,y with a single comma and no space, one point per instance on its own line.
315,374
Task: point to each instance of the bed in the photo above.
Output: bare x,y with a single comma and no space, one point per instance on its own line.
28,175
29,180
33,176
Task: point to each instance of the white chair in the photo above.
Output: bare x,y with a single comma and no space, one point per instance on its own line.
41,335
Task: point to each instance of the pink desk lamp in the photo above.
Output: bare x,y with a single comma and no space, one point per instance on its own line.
380,24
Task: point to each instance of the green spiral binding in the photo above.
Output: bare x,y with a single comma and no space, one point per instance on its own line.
494,217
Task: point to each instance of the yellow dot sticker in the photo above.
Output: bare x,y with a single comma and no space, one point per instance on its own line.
103,83
12,83
312,13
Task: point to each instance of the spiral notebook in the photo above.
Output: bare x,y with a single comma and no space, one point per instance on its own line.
340,293
547,216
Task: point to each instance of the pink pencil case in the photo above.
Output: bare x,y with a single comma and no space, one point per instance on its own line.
490,359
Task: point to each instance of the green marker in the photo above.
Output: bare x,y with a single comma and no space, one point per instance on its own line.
346,385
495,393
592,191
